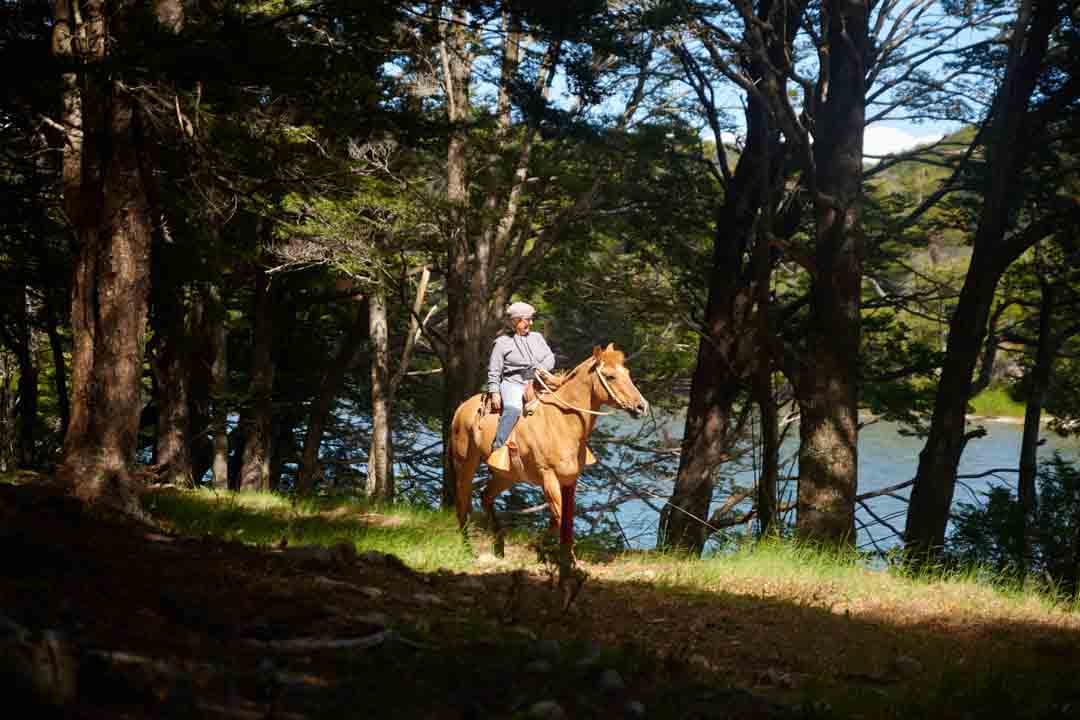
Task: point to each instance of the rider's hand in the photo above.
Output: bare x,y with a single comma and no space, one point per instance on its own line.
495,400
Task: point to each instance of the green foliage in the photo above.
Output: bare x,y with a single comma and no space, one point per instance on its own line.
997,401
993,533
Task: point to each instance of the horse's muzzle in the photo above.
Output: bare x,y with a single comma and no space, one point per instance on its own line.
640,410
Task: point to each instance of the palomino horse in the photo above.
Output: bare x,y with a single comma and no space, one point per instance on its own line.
550,442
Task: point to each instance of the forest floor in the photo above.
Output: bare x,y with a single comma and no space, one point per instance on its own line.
150,623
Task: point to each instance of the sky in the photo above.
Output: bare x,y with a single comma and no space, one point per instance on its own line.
886,137
883,138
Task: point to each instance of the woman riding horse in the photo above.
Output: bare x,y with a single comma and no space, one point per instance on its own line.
551,442
516,357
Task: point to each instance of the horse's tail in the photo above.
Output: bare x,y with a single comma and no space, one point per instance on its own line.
460,435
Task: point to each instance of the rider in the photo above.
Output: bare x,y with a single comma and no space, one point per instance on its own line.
516,356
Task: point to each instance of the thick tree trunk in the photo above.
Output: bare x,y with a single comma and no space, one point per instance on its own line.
380,477
109,310
466,282
173,372
827,388
105,198
722,364
329,388
1010,143
258,436
725,357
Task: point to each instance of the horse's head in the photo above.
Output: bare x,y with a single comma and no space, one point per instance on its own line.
615,385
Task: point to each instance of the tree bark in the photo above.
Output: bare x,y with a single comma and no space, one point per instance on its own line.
56,345
258,436
173,374
109,310
219,386
380,476
329,388
1039,381
770,452
1010,140
827,389
105,198
469,322
22,344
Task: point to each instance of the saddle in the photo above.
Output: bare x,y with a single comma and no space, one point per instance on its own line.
507,456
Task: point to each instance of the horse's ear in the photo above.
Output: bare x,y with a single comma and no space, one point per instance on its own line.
596,352
610,347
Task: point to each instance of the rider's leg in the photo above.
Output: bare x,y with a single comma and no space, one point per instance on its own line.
512,395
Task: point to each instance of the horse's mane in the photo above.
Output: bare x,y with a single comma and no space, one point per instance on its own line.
608,356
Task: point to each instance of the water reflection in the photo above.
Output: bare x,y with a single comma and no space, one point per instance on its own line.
885,458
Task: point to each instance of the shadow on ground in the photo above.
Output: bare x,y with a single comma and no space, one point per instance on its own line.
162,625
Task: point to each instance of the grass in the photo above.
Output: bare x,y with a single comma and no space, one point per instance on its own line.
982,643
996,402
429,540
424,539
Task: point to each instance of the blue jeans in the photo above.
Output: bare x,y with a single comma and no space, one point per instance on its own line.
512,395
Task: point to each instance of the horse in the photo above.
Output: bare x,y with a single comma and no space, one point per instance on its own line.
550,442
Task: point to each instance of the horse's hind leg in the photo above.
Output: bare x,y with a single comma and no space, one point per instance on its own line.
464,470
496,485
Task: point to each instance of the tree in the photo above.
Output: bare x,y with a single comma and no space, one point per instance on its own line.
1028,105
105,196
498,217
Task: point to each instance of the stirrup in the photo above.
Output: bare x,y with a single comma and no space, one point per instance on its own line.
499,459
590,459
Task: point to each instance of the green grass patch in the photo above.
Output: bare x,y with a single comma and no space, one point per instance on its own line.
423,538
996,401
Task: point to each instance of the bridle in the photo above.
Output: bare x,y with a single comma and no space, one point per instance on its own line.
603,381
610,391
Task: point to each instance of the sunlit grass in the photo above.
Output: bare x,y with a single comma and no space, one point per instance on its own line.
424,539
996,402
844,582
429,539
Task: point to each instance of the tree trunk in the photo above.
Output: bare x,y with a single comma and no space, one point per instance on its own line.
380,477
109,310
721,365
770,452
219,386
329,388
827,390
1039,381
172,369
467,281
237,441
255,471
1007,150
56,345
23,347
106,202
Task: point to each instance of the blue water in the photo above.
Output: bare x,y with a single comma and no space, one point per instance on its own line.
885,458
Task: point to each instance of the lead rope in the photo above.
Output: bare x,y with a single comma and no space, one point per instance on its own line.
567,405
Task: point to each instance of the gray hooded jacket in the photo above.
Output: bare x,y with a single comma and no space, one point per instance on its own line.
514,356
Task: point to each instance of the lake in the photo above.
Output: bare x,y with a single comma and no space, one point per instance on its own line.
885,458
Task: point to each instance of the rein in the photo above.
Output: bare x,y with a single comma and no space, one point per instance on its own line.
568,406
